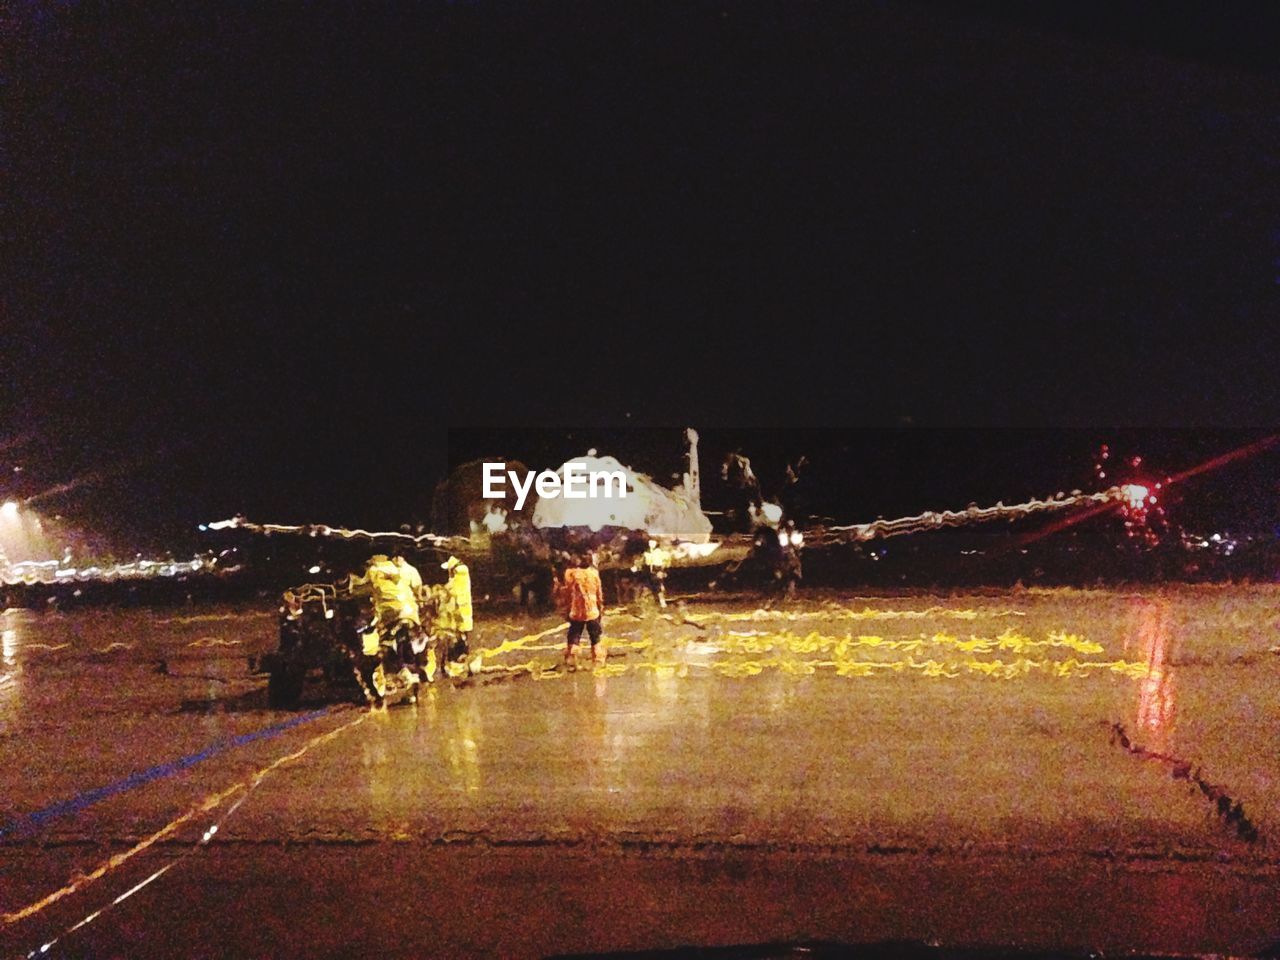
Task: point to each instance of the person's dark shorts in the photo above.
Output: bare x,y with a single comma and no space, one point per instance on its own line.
593,630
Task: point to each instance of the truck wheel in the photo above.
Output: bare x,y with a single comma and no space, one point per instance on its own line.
284,688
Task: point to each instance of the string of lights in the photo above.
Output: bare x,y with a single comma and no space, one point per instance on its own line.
31,572
936,520
324,530
929,520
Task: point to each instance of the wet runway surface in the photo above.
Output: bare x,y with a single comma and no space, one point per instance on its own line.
1050,769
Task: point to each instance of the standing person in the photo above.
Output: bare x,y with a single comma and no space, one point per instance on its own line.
655,562
389,583
413,641
787,570
586,608
456,617
410,578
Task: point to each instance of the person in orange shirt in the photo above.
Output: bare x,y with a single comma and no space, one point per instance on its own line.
586,607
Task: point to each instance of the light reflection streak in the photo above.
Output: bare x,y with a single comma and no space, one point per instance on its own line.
928,520
31,572
1156,702
325,530
937,519
10,671
462,749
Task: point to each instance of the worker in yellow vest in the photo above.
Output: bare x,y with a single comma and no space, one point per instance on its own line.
455,613
399,642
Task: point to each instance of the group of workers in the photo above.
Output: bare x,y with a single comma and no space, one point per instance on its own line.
417,629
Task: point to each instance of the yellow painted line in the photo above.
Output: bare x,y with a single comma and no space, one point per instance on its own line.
521,643
837,612
204,806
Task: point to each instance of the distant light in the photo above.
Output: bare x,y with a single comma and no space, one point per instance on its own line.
315,569
495,520
203,528
9,510
1135,495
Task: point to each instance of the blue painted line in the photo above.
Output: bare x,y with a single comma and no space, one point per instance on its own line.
33,821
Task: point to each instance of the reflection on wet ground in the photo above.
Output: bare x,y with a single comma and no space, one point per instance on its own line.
968,729
1155,714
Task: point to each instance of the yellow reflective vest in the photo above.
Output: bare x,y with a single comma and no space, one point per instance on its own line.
393,587
456,614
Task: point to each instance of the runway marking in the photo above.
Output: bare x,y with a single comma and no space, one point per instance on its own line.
835,611
208,617
735,653
48,945
80,801
521,643
112,647
949,669
213,642
209,803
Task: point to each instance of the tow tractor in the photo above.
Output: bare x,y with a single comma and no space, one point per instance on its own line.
326,634
331,635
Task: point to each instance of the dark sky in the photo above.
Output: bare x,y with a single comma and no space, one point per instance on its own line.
260,258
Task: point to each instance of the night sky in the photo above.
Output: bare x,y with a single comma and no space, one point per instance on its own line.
262,258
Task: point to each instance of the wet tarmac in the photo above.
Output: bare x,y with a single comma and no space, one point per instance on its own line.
1032,768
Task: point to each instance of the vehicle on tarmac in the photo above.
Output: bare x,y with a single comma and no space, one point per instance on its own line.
331,635
321,636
